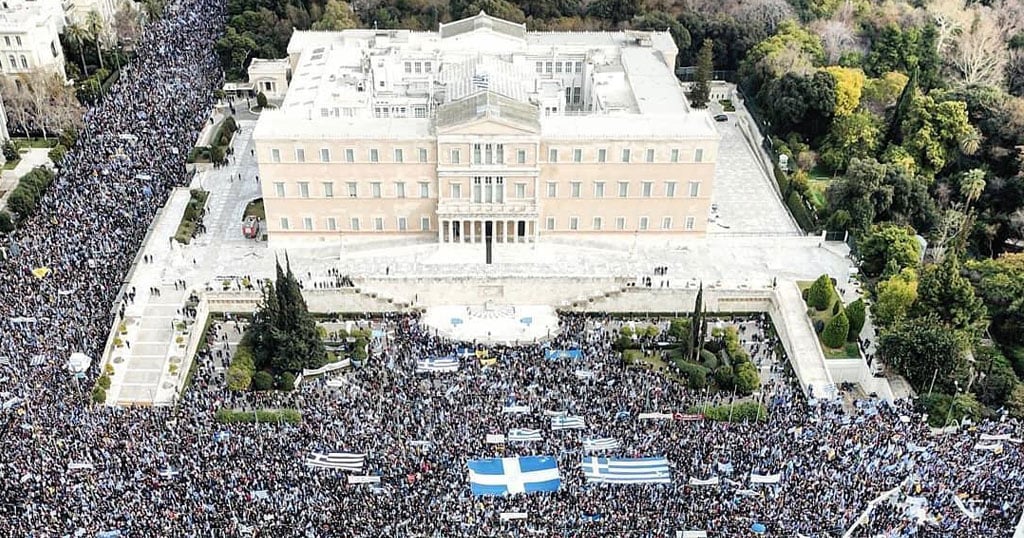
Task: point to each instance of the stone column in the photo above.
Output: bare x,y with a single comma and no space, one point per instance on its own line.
440,231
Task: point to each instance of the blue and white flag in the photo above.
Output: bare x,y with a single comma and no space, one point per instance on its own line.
439,364
342,461
591,518
627,470
568,422
725,467
222,436
523,435
622,415
584,374
558,354
601,443
510,476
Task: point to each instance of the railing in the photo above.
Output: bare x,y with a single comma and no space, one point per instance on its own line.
525,209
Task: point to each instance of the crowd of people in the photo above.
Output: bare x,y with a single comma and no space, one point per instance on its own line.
69,468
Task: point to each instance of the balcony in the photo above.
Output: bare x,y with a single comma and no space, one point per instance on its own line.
456,209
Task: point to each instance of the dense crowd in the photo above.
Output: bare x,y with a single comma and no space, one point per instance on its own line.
71,469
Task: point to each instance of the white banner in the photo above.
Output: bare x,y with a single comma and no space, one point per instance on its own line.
765,478
713,481
691,534
517,409
495,438
989,437
555,413
330,367
508,516
354,479
994,447
652,416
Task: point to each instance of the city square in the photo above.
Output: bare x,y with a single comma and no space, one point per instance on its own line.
193,348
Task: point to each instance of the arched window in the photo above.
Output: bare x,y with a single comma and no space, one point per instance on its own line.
24,62
12,61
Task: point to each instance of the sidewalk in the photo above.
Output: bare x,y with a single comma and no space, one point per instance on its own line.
30,159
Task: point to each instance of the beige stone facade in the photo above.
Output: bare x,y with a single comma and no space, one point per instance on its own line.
483,130
29,39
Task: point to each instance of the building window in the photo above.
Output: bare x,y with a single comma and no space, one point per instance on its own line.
350,155
643,223
425,224
300,155
275,155
423,155
650,156
597,224
690,221
424,189
552,155
550,224
399,155
378,224
577,155
625,155
353,189
675,155
478,153
374,156
354,224
670,189
24,62
576,187
456,156
307,223
7,39
602,155
399,190
552,189
558,67
539,66
520,190
279,189
332,224
402,226
325,155
488,190
521,156
623,189
579,67
548,67
648,189
620,223
419,111
303,189
698,155
694,189
666,223
574,223
599,189
408,67
375,189
328,190
284,223
456,191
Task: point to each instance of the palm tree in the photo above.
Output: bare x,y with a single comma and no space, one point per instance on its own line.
94,25
77,35
972,184
970,143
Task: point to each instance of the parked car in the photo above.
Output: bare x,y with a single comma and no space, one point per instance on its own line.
721,117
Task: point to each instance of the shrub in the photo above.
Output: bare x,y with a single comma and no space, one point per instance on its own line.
99,395
262,380
11,152
287,381
103,381
238,378
855,313
57,153
261,100
108,369
696,375
6,223
708,359
217,154
270,416
747,378
724,377
740,412
68,137
820,293
834,335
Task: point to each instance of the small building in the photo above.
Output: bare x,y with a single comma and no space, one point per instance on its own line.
270,77
29,40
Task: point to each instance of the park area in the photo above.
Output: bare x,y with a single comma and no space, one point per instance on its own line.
837,325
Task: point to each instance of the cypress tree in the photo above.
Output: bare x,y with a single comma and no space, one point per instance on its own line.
700,93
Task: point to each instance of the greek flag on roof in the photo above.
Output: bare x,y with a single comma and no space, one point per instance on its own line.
509,476
627,470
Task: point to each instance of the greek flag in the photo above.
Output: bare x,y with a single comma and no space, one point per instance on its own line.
568,422
342,461
523,435
627,470
442,364
600,443
509,476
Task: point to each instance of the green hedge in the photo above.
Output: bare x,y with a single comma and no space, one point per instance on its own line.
743,411
191,217
235,416
25,197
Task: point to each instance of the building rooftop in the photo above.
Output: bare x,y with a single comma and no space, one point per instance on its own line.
617,82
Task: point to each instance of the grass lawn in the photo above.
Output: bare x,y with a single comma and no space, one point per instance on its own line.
10,165
255,207
816,192
848,351
38,143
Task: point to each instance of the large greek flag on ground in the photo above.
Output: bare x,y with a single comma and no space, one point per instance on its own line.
342,461
509,476
439,364
523,435
568,422
627,470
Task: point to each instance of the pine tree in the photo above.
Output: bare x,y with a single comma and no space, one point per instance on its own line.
894,135
820,293
700,92
834,335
